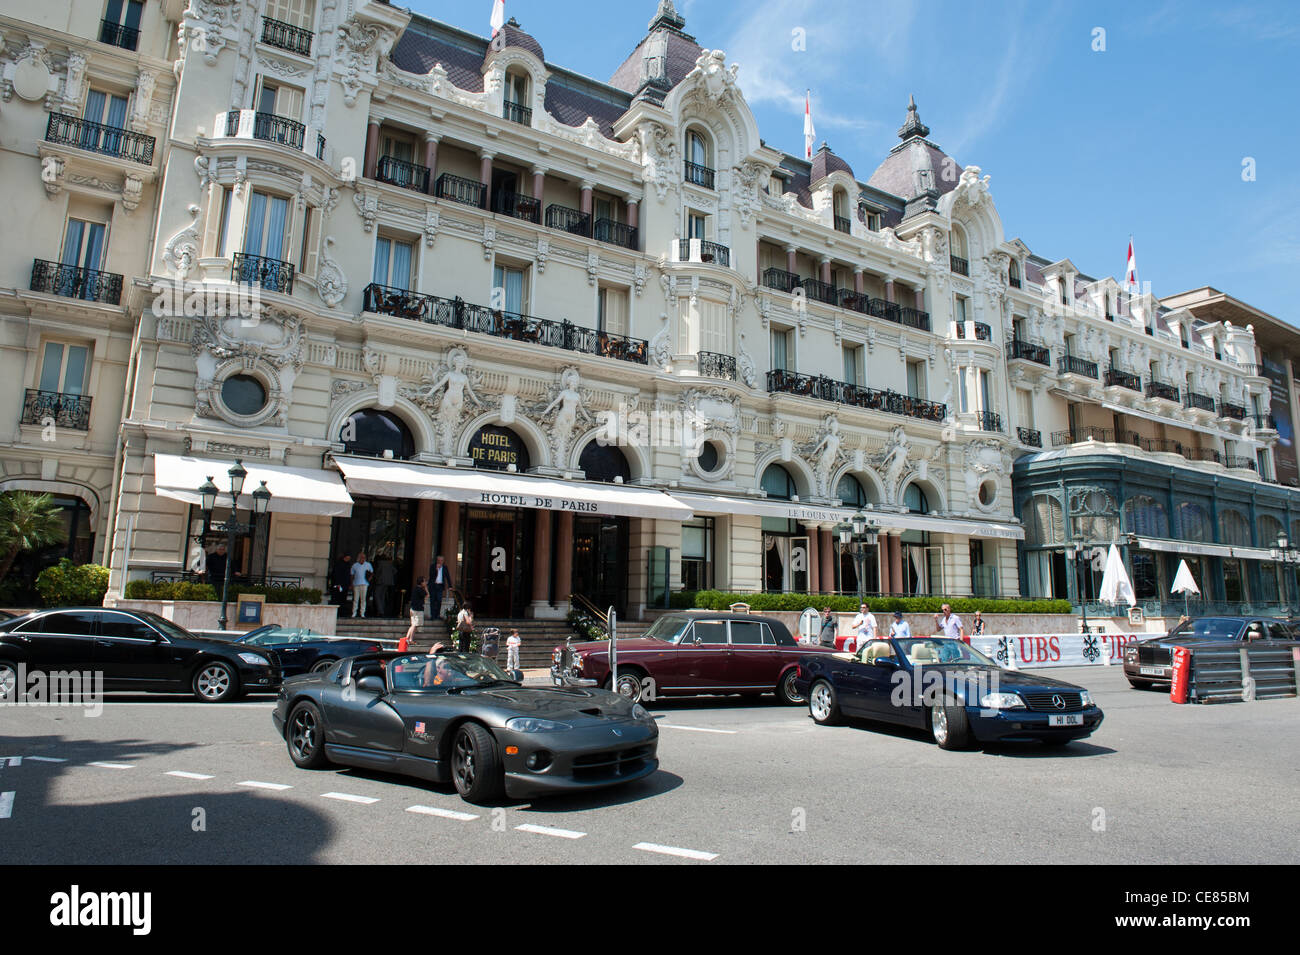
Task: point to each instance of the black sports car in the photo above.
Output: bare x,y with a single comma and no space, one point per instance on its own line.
1152,661
300,649
458,717
947,687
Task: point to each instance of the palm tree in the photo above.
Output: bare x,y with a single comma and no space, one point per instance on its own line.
27,522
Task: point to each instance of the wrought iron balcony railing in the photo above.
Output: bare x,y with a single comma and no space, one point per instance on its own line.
699,175
959,265
1263,422
569,220
714,365
399,172
1203,402
1079,435
914,318
1014,281
1203,454
66,130
1030,436
1019,349
828,389
70,281
982,332
821,291
517,113
1069,365
781,280
1160,389
271,128
64,410
517,206
115,34
615,233
459,314
1229,410
273,275
843,224
1124,379
469,192
709,252
989,421
1237,461
286,36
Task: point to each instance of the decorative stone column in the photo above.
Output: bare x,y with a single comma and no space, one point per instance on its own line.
791,260
564,562
857,282
826,539
920,298
633,212
485,168
539,182
541,605
814,559
889,288
826,269
896,563
882,561
585,205
431,158
423,550
450,538
372,149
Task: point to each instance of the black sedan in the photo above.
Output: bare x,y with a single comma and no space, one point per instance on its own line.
458,717
948,688
1148,662
133,650
303,650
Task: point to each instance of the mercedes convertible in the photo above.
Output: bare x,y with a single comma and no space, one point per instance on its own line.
459,718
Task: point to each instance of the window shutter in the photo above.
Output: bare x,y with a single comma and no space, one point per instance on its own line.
615,311
714,335
311,242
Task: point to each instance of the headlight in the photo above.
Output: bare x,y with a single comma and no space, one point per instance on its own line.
1130,652
252,659
577,662
639,712
530,724
1002,701
1086,698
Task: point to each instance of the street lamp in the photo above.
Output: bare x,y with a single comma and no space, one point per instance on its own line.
1072,554
208,495
858,534
1285,553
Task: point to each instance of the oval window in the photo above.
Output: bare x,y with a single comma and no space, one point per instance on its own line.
243,395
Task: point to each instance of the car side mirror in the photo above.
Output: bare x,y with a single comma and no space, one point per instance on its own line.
371,684
885,662
698,641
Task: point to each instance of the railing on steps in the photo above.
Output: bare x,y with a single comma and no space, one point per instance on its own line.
583,603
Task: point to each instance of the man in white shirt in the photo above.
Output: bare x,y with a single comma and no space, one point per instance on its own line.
899,629
950,625
361,571
864,629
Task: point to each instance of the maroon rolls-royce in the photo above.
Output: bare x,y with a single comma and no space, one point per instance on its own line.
690,652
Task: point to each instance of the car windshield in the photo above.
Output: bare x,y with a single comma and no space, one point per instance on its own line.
426,673
276,637
669,627
939,650
1217,627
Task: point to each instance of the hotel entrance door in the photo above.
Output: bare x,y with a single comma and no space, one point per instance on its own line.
600,549
494,542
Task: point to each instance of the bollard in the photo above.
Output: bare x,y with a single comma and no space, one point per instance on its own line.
1182,670
1247,681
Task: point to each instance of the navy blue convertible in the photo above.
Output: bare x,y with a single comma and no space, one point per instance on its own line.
302,650
948,688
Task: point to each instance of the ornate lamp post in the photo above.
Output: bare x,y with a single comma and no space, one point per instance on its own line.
858,534
1073,553
261,500
1286,554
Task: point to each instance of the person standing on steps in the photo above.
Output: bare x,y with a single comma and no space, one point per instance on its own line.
419,594
362,570
464,628
439,578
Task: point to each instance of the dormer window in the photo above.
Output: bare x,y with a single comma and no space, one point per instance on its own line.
840,209
1063,284
1013,273
515,107
699,168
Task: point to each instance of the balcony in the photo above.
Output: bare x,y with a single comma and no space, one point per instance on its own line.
286,36
702,250
568,220
65,130
1203,454
821,291
1039,354
1160,389
517,113
399,172
1201,402
1069,365
459,314
959,265
65,411
1030,436
615,233
271,274
843,224
468,192
978,331
713,365
699,175
828,389
1237,461
517,206
1123,379
781,280
1227,410
114,34
989,421
73,282
914,318
1080,435
1262,422
270,128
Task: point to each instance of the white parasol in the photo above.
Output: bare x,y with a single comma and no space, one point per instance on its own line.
1115,585
1184,583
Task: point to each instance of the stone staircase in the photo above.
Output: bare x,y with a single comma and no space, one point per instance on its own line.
539,637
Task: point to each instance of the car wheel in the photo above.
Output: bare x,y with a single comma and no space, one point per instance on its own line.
629,685
949,726
323,665
476,767
9,689
216,682
305,736
823,707
785,691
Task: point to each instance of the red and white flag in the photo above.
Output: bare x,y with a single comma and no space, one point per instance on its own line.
1131,275
498,16
809,134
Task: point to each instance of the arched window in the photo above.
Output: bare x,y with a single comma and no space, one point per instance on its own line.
960,247
916,501
850,492
697,148
1194,523
372,432
498,448
1013,272
840,209
778,484
1145,516
1270,529
1234,528
604,463
1044,522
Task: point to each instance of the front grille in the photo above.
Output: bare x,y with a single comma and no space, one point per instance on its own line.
1154,656
1042,702
610,764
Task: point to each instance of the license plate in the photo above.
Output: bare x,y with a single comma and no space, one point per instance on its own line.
1151,671
1066,719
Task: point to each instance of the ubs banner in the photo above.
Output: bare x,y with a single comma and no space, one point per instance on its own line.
1284,452
1034,650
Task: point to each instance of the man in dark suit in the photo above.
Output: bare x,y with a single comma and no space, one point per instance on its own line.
439,577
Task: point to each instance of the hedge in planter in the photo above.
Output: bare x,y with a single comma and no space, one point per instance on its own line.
193,590
72,585
848,603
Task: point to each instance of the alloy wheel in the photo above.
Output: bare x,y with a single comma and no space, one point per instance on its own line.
303,736
788,689
463,761
939,724
8,683
214,682
821,702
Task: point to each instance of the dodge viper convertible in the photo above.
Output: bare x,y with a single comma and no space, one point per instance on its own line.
948,688
459,718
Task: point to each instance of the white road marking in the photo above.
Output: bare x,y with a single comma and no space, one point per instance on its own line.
45,759
442,813
698,729
180,774
6,805
548,831
348,797
112,765
674,851
11,760
115,704
254,784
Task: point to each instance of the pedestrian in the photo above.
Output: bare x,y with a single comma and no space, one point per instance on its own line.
899,629
216,567
464,628
827,637
950,625
977,626
419,593
342,579
385,578
512,650
864,628
362,570
438,579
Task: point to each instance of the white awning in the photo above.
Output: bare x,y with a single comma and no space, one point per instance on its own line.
948,525
1185,547
293,490
408,479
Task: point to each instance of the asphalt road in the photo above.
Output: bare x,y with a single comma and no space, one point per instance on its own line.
739,783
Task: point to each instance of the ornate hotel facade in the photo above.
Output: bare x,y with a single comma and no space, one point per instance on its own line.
579,337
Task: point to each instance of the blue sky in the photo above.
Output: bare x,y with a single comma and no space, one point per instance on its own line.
1083,146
